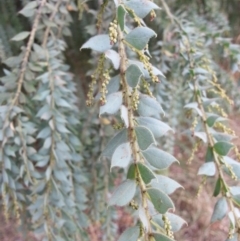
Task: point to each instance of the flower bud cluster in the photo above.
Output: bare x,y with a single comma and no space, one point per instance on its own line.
219,109
167,226
105,81
136,19
194,124
203,182
135,99
134,205
146,86
195,148
118,126
98,73
224,128
230,169
148,66
113,33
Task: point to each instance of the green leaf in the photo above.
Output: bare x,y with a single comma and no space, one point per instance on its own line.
161,202
157,127
130,234
123,194
220,210
133,75
131,172
122,156
121,12
114,57
141,7
209,155
165,184
21,36
139,37
149,107
118,139
208,169
222,148
161,237
146,174
213,118
217,188
113,104
144,137
158,158
99,43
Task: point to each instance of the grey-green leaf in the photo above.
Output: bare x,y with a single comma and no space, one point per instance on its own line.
149,106
222,148
133,75
113,104
158,158
121,156
141,7
157,127
161,237
118,139
21,36
99,43
130,234
208,169
139,37
144,137
114,57
165,184
161,202
123,194
220,210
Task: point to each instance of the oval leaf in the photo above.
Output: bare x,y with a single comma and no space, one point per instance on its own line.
222,148
123,194
165,184
121,12
121,156
161,237
113,104
149,107
141,7
220,210
21,36
118,139
144,137
208,169
99,43
158,158
133,75
161,202
114,57
157,127
139,37
130,234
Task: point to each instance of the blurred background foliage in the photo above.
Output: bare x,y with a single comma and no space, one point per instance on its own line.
219,22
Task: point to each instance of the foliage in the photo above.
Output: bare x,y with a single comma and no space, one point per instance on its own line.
157,70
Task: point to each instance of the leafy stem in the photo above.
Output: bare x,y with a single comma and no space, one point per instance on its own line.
131,132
